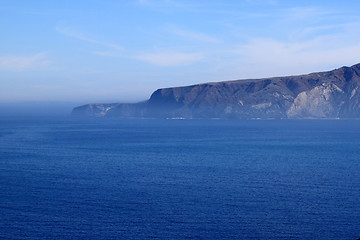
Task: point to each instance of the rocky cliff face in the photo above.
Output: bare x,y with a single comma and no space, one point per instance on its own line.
323,101
332,94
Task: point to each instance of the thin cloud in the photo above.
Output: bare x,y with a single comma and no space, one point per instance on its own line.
269,57
80,36
316,30
22,63
170,58
192,35
308,12
346,30
106,53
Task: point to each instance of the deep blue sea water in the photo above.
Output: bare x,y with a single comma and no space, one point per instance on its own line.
179,179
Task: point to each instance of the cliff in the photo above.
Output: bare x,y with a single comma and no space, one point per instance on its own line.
331,94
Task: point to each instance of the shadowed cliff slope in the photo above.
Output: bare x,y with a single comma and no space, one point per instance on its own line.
332,94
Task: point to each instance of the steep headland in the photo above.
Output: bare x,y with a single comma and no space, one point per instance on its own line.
331,94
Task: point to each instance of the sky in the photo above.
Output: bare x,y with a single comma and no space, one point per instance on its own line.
88,51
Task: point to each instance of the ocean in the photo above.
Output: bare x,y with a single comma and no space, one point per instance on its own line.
64,178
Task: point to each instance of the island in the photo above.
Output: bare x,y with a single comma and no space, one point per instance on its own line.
330,94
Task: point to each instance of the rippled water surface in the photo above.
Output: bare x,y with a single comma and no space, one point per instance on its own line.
179,179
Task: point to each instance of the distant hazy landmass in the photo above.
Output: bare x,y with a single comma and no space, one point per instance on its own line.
331,94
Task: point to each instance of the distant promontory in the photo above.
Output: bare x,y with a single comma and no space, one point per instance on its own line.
331,94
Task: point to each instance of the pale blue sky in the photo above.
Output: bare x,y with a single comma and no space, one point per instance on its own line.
109,51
